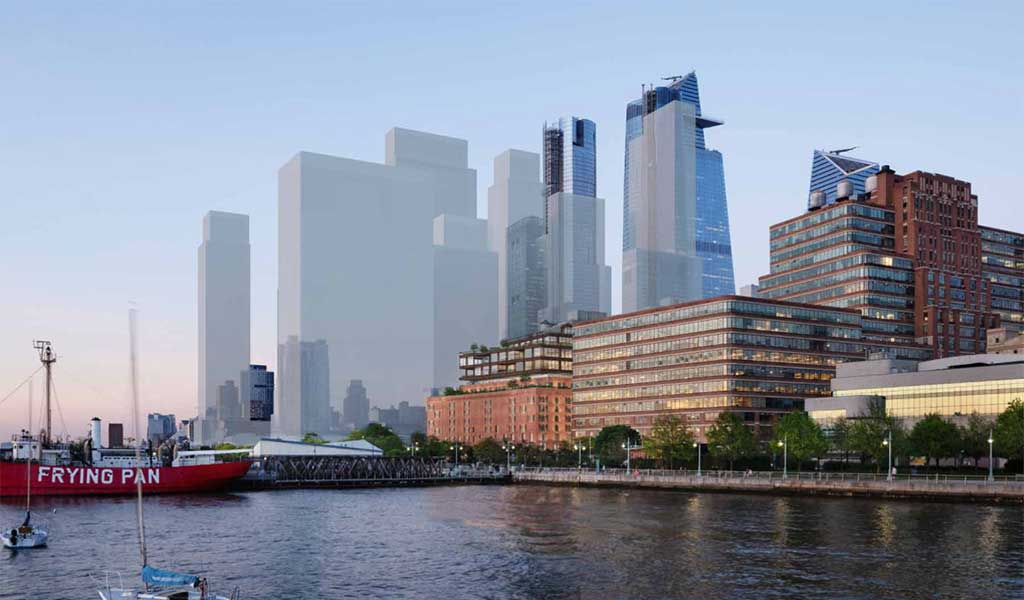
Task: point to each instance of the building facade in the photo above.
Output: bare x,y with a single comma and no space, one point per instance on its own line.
519,391
1005,341
405,419
526,275
517,193
576,277
359,272
829,169
570,159
1002,264
257,393
160,427
953,388
676,240
355,409
224,305
756,357
910,255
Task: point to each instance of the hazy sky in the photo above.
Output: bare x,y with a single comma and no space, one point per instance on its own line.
122,124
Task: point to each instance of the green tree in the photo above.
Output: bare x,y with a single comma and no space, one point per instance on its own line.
870,430
489,451
382,437
1009,431
313,438
609,441
670,442
802,437
839,438
934,438
974,437
729,438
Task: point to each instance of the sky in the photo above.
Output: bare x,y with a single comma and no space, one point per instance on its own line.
121,124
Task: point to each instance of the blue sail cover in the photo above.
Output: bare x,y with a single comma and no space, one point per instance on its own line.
158,577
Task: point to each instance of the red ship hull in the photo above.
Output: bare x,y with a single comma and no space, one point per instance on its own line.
48,480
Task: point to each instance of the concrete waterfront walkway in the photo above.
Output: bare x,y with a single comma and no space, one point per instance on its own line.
919,487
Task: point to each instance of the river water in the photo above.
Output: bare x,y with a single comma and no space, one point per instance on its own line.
531,542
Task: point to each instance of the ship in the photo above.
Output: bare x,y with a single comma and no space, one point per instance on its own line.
108,471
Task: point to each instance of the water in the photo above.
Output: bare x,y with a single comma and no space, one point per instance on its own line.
532,542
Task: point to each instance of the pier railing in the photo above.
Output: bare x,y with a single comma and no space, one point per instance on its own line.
341,471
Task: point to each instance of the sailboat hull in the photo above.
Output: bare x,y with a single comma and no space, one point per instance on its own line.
55,480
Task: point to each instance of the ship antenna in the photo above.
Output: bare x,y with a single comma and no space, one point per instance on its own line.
138,438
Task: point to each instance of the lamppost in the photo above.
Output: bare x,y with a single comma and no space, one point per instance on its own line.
413,449
888,442
990,442
784,444
697,446
509,447
456,448
628,447
579,451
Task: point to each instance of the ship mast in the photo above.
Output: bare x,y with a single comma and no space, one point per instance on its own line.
47,357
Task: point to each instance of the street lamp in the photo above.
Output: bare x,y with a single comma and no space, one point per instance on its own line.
509,447
456,448
579,451
628,447
888,442
784,444
697,446
990,442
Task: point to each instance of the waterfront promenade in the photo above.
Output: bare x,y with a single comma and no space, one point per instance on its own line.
918,487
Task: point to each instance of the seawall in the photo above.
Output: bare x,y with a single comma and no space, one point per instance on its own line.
807,484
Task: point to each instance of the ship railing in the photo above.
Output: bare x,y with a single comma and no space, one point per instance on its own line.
105,584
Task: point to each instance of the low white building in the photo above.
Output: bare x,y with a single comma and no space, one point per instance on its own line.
282,447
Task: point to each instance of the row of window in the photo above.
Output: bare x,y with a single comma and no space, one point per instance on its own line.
832,212
837,225
580,398
840,264
703,371
747,354
859,237
721,339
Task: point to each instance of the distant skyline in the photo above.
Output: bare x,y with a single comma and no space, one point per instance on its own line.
124,124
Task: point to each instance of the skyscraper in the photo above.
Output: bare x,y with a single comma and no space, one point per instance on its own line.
526,276
516,193
576,277
257,393
355,409
360,274
676,242
223,307
828,169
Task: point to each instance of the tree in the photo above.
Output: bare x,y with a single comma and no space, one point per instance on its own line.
802,437
839,438
382,437
313,438
670,442
489,451
609,441
1009,431
934,437
974,437
729,438
871,429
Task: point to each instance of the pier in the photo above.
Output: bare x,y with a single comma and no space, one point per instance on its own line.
283,472
1008,490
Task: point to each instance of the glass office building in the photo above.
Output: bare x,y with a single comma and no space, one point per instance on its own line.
830,168
698,210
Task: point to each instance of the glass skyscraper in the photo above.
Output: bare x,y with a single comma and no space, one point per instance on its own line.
676,241
830,168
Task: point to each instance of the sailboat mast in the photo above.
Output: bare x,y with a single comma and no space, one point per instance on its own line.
138,437
28,463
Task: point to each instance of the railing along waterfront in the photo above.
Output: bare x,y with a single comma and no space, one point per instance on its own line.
941,478
345,471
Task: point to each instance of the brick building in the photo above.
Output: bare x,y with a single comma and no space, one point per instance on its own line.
520,391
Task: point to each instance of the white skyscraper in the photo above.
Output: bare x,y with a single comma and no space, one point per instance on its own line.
517,192
358,269
224,276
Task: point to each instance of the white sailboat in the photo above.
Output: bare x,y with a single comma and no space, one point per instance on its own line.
26,535
158,584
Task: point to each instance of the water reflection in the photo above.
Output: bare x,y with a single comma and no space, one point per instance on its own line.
539,542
